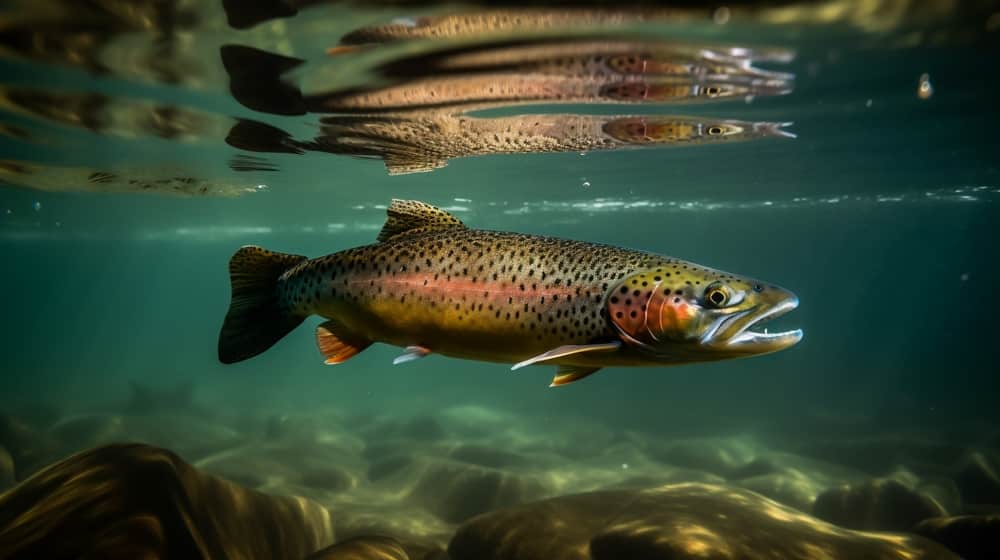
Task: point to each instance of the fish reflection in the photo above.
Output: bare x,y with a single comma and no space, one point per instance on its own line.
503,75
425,142
116,116
156,179
419,118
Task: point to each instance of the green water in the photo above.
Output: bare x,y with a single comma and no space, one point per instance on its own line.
881,215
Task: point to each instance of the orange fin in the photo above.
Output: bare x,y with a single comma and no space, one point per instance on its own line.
342,49
338,344
569,350
568,374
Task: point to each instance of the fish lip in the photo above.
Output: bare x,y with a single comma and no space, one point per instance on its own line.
744,337
774,129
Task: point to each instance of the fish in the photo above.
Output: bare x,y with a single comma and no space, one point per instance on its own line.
425,142
432,285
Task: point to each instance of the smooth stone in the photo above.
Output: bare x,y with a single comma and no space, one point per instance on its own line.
383,468
363,548
84,431
876,505
790,487
455,491
326,477
29,446
880,454
978,481
415,429
8,475
190,437
284,467
973,537
485,456
371,513
674,522
720,456
138,501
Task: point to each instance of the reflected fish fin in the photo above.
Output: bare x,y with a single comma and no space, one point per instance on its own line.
569,374
408,217
568,350
337,343
411,353
401,165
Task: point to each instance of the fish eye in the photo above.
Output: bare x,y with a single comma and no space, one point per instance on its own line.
758,288
717,295
715,130
713,90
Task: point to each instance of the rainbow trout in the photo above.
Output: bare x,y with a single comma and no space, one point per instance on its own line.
432,285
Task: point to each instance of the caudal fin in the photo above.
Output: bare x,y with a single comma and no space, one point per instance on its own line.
255,320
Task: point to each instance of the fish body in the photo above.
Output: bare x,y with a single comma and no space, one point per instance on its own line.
419,143
433,285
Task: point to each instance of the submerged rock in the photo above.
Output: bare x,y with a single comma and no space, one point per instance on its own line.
486,456
876,505
973,537
878,455
29,446
978,480
7,473
675,522
285,467
363,548
455,491
84,431
137,501
719,456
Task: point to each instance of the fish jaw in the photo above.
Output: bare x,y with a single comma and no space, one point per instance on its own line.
742,333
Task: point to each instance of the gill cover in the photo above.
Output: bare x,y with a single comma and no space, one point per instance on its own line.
645,311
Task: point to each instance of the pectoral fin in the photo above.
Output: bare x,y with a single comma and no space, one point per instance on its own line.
411,353
569,374
337,343
569,350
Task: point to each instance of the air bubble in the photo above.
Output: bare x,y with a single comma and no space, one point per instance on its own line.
586,184
37,206
868,103
925,90
964,277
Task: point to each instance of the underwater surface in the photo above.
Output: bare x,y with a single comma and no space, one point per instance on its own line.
844,150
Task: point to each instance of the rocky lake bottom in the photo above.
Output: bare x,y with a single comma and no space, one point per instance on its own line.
162,477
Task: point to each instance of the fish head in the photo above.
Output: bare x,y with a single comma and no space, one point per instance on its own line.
681,312
655,129
672,90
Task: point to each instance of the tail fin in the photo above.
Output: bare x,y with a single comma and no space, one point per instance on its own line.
255,321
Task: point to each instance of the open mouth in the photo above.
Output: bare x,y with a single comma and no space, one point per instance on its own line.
753,332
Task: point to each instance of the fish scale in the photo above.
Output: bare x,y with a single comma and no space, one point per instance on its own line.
524,293
432,285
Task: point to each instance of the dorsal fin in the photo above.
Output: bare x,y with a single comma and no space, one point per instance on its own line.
407,217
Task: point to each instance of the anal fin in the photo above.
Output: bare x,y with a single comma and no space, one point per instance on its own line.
411,353
568,374
337,343
568,350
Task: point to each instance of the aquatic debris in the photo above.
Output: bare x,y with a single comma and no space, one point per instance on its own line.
924,88
433,285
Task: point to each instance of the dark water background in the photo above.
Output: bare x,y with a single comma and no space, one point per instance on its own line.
881,215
